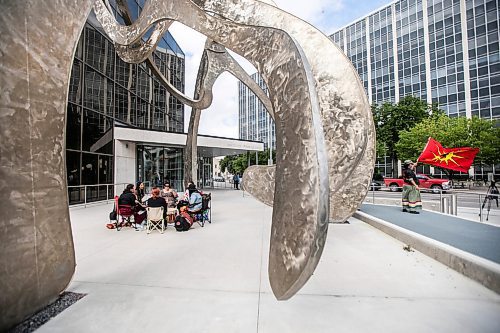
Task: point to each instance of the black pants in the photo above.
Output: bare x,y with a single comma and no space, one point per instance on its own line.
236,185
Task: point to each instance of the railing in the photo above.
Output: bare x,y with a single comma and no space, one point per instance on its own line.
223,184
84,194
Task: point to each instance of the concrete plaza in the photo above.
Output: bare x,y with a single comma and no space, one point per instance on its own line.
214,279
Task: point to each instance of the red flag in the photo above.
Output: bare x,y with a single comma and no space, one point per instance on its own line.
459,159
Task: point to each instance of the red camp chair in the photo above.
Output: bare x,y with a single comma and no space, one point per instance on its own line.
125,212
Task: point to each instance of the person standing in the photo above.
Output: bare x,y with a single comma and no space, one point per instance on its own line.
411,200
236,181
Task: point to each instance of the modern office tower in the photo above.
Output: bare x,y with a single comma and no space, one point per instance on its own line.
106,93
254,123
443,51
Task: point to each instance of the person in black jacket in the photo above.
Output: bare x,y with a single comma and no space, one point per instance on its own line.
157,201
128,198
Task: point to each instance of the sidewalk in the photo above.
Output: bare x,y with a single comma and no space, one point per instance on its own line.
214,279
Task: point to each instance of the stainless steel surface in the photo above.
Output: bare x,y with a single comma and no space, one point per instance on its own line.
259,181
37,258
215,60
347,121
298,231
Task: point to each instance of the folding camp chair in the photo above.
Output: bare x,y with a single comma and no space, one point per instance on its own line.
205,213
126,212
155,219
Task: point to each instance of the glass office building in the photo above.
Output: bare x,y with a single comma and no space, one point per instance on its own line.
254,122
442,51
105,93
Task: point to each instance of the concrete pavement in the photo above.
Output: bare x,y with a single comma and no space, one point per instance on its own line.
214,279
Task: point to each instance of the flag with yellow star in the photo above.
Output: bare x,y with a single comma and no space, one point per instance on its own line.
458,159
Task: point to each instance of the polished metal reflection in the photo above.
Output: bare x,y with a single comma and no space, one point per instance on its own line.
346,116
215,61
323,121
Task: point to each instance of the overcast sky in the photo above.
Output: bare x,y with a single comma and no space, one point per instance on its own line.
221,119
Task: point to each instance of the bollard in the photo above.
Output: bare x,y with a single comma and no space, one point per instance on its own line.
454,205
445,208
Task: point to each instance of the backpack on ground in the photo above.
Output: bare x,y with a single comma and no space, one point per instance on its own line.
183,222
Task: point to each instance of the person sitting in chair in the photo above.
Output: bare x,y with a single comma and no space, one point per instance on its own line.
157,201
195,199
128,198
169,195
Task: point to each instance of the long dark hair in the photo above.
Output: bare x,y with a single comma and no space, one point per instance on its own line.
191,189
139,191
128,188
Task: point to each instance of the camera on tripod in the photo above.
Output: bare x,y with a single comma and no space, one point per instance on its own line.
491,194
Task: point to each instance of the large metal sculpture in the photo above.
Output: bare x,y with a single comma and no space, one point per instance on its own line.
324,130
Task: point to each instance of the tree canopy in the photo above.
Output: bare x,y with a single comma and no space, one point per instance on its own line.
452,133
237,164
391,118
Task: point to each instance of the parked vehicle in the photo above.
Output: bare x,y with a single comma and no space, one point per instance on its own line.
426,182
376,185
219,179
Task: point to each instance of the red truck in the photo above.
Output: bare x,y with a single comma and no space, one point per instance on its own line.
426,182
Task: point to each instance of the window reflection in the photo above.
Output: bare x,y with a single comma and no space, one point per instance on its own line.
103,89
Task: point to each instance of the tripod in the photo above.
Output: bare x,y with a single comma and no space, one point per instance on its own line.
491,194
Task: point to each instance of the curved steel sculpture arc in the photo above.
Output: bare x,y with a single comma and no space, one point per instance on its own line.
299,232
346,116
37,258
215,61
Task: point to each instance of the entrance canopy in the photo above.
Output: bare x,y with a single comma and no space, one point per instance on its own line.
208,146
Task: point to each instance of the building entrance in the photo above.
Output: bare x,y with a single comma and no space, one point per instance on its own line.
157,165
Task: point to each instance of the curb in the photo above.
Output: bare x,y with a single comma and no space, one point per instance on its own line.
479,269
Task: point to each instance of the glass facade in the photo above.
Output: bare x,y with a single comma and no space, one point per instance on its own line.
254,121
484,57
105,90
383,86
446,57
356,48
157,165
442,51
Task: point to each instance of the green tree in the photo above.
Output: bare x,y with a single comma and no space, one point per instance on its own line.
453,132
238,163
390,119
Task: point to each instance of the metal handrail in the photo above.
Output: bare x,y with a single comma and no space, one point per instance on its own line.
85,191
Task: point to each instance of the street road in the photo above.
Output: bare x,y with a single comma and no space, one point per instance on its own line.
470,199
